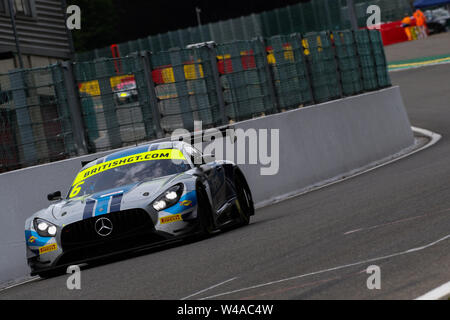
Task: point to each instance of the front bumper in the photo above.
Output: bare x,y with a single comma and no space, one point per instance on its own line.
132,230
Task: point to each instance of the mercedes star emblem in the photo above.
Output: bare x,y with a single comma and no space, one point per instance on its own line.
103,227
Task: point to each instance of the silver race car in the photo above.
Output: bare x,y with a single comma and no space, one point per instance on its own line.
133,199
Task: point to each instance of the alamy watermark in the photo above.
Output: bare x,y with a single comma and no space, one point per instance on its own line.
73,17
374,20
374,280
250,146
74,280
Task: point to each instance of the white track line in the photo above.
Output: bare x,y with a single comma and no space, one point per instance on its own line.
204,290
441,292
331,269
417,67
20,283
434,138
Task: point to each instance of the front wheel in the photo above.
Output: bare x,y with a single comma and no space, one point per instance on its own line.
244,200
204,213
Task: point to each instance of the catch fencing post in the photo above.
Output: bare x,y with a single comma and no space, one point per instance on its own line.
25,124
73,101
358,56
180,83
215,72
372,51
147,63
271,82
307,67
336,61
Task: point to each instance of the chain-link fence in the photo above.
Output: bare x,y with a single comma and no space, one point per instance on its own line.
115,102
312,16
67,109
244,79
184,86
287,58
35,126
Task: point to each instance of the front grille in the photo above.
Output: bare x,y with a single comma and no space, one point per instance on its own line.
125,223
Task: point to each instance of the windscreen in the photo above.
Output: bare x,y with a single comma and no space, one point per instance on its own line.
128,170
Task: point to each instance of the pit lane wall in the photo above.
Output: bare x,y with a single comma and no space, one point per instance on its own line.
316,143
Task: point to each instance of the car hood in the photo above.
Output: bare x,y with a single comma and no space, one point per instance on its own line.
137,195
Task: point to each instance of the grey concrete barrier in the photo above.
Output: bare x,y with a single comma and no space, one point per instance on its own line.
316,143
323,141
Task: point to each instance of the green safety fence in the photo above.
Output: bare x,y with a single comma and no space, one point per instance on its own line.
52,113
287,59
366,59
312,16
379,58
35,125
323,65
115,102
244,80
185,88
347,57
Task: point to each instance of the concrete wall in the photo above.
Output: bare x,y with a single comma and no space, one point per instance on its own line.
323,141
316,143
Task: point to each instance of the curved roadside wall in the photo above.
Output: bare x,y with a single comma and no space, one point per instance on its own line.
316,144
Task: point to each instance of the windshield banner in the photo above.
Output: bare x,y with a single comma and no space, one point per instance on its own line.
169,154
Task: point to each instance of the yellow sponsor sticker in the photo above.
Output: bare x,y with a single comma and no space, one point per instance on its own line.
186,203
171,154
48,248
170,219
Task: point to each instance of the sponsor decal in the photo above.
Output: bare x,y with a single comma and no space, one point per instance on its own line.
186,203
48,248
34,240
170,219
103,204
170,154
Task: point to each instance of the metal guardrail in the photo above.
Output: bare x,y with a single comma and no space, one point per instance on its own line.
74,108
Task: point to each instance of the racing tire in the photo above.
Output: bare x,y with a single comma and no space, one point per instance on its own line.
204,212
244,202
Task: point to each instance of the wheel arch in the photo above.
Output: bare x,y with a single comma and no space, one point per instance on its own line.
238,173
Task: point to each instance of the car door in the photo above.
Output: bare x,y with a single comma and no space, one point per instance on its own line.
215,177
216,181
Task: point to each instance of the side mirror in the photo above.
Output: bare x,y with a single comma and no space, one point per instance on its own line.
54,196
198,172
201,170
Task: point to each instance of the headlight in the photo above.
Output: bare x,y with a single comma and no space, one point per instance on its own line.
168,198
44,228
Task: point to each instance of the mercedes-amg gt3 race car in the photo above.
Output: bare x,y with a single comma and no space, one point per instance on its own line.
133,199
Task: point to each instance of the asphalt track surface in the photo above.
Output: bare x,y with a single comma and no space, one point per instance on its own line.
437,44
315,246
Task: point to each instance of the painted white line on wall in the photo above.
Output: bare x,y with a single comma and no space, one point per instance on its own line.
441,292
330,269
209,288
